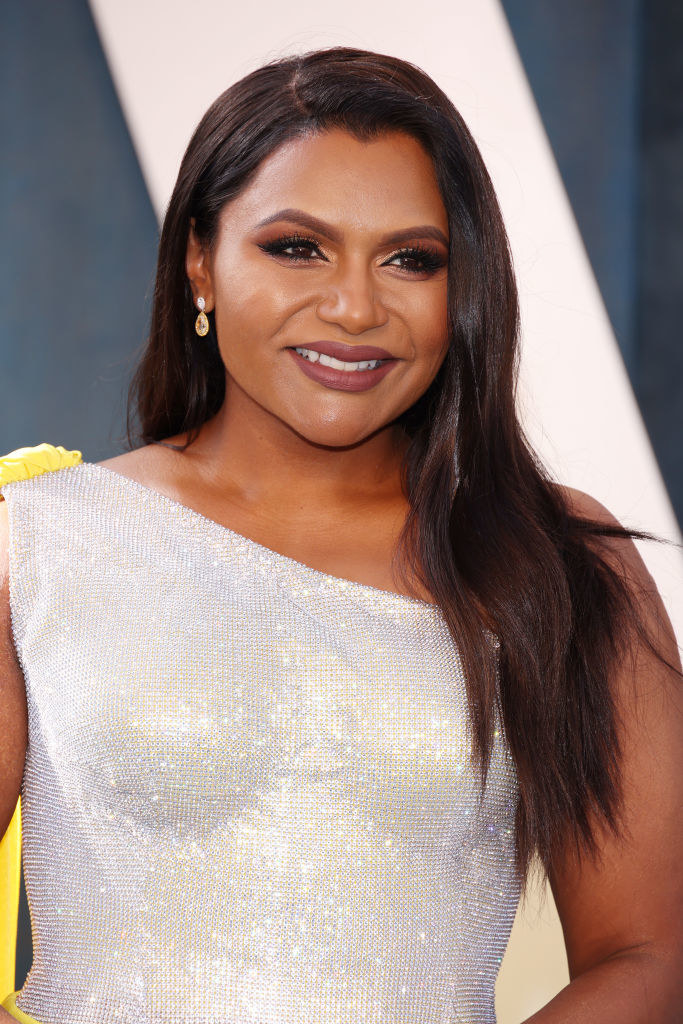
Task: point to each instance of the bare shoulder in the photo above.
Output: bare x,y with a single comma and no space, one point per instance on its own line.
621,552
157,465
586,506
629,900
139,464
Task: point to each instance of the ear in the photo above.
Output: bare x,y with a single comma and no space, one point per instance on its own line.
198,269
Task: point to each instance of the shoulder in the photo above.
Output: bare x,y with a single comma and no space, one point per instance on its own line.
625,899
145,464
24,463
617,545
165,468
585,506
655,643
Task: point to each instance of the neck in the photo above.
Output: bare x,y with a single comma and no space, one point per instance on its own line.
256,456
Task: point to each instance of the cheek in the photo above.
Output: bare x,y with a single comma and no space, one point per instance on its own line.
250,310
429,328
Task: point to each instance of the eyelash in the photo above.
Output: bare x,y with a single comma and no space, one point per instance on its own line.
431,259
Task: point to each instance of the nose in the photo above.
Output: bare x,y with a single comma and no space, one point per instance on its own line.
352,302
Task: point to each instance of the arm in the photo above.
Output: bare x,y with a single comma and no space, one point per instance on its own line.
13,732
13,712
622,918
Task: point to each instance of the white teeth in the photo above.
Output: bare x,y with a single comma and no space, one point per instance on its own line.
337,364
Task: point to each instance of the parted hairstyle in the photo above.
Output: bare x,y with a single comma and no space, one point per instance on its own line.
488,531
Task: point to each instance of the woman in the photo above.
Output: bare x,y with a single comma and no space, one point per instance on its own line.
313,671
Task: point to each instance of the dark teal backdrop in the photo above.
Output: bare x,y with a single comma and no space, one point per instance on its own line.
80,233
607,76
79,240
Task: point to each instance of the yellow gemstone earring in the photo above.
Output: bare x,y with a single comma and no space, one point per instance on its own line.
201,324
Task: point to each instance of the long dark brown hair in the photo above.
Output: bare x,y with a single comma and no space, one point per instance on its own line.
488,532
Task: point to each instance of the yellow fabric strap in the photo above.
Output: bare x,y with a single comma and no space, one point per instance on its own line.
9,1003
10,868
23,463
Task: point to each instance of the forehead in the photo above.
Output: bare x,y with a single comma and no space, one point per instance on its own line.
389,180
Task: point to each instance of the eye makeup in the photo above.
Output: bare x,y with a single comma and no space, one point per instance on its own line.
428,258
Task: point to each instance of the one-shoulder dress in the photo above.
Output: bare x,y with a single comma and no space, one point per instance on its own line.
249,794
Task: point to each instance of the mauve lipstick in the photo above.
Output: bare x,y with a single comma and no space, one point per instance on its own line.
345,380
349,353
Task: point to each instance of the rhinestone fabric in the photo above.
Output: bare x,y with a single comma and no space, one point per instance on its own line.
248,795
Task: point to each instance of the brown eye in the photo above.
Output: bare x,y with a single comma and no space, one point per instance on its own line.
279,247
420,259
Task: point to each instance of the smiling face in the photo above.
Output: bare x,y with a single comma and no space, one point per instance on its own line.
339,248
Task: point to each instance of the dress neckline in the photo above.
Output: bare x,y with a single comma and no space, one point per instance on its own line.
261,549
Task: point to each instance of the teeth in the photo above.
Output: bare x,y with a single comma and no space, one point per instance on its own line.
337,364
308,353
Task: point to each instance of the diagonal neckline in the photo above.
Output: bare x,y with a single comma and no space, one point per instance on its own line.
261,549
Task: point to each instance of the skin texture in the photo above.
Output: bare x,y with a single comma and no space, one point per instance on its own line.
622,917
313,472
277,425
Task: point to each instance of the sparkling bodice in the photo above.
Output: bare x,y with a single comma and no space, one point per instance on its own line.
248,795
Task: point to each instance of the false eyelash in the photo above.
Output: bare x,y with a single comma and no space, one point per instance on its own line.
430,258
284,241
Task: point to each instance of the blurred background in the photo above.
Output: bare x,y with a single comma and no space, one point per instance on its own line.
81,231
607,76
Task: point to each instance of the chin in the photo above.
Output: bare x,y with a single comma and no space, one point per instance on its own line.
333,435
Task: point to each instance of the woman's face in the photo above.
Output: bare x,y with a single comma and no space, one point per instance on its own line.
335,249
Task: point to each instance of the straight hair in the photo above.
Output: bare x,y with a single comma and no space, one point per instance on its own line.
488,533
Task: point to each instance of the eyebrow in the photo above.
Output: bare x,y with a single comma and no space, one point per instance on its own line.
315,224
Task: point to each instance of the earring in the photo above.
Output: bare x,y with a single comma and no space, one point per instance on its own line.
201,324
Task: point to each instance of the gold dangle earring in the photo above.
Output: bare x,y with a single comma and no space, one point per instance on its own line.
201,324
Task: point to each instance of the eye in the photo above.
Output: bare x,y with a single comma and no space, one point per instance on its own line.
279,246
427,260
417,259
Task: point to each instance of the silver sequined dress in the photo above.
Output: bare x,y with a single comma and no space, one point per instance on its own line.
248,795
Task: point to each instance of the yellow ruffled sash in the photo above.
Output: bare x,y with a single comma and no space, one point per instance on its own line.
23,463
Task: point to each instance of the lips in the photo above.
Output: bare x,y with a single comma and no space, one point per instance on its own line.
344,380
347,353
